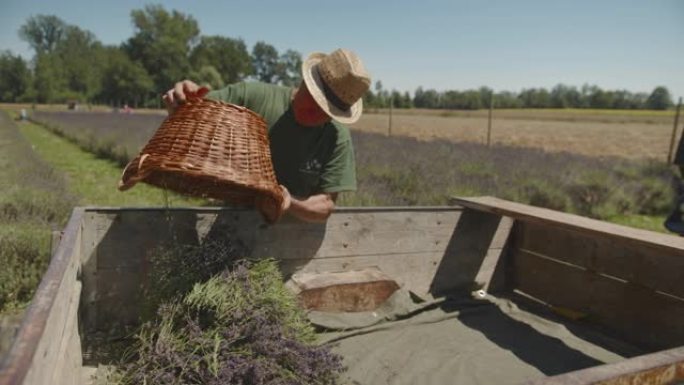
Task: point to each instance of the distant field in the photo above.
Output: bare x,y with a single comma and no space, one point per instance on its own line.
633,134
627,134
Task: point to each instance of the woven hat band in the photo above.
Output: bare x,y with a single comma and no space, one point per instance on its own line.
331,96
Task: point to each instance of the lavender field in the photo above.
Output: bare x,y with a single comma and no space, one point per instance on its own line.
407,171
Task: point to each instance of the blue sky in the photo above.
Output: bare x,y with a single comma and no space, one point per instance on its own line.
506,45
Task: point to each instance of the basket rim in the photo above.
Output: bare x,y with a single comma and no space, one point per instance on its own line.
198,101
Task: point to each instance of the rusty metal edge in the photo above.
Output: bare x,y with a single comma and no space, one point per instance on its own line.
17,362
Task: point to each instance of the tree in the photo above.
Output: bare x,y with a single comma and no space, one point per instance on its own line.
290,68
162,44
228,56
43,32
563,96
408,103
486,94
265,62
659,99
380,99
123,80
600,98
49,79
535,98
507,99
426,98
80,54
208,76
15,77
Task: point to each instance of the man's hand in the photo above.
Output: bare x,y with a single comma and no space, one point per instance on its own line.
287,199
180,93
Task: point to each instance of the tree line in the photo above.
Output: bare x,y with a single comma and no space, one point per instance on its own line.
70,63
560,96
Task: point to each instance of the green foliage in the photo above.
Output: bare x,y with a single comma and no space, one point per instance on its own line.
228,56
175,269
290,68
50,79
23,256
15,77
43,32
81,58
162,43
262,288
660,99
123,80
208,76
541,193
239,326
265,62
33,202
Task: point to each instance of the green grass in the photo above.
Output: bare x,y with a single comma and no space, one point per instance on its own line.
645,222
92,179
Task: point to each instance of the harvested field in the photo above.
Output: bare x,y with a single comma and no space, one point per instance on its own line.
627,134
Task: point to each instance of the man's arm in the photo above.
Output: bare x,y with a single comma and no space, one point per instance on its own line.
316,208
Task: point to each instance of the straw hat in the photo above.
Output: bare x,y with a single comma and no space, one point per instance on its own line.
337,83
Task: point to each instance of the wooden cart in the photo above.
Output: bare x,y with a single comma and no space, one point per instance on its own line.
626,281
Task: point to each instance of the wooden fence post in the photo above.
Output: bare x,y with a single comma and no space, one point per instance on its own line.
489,123
674,132
389,132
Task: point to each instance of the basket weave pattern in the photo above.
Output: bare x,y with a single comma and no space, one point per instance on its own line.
211,149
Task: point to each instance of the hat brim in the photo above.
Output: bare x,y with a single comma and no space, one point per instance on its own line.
314,83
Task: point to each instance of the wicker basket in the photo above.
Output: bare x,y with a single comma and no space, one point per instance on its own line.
211,149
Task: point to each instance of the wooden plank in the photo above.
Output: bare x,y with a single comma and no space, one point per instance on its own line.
492,273
406,243
578,223
54,362
476,236
120,290
640,264
662,368
646,318
28,348
69,357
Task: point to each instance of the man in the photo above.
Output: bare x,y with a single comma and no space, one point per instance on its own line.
675,221
311,149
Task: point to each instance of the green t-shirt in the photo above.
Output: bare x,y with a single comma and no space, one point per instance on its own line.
307,160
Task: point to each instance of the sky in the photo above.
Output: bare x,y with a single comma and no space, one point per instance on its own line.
506,45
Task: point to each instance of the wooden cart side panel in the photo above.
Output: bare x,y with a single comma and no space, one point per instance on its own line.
637,314
627,280
640,264
47,348
662,368
118,242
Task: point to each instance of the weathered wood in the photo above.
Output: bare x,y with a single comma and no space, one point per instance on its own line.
491,277
54,241
477,235
432,254
638,315
118,244
530,214
662,368
641,264
46,334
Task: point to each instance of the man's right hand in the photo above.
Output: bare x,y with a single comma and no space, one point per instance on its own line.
180,92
